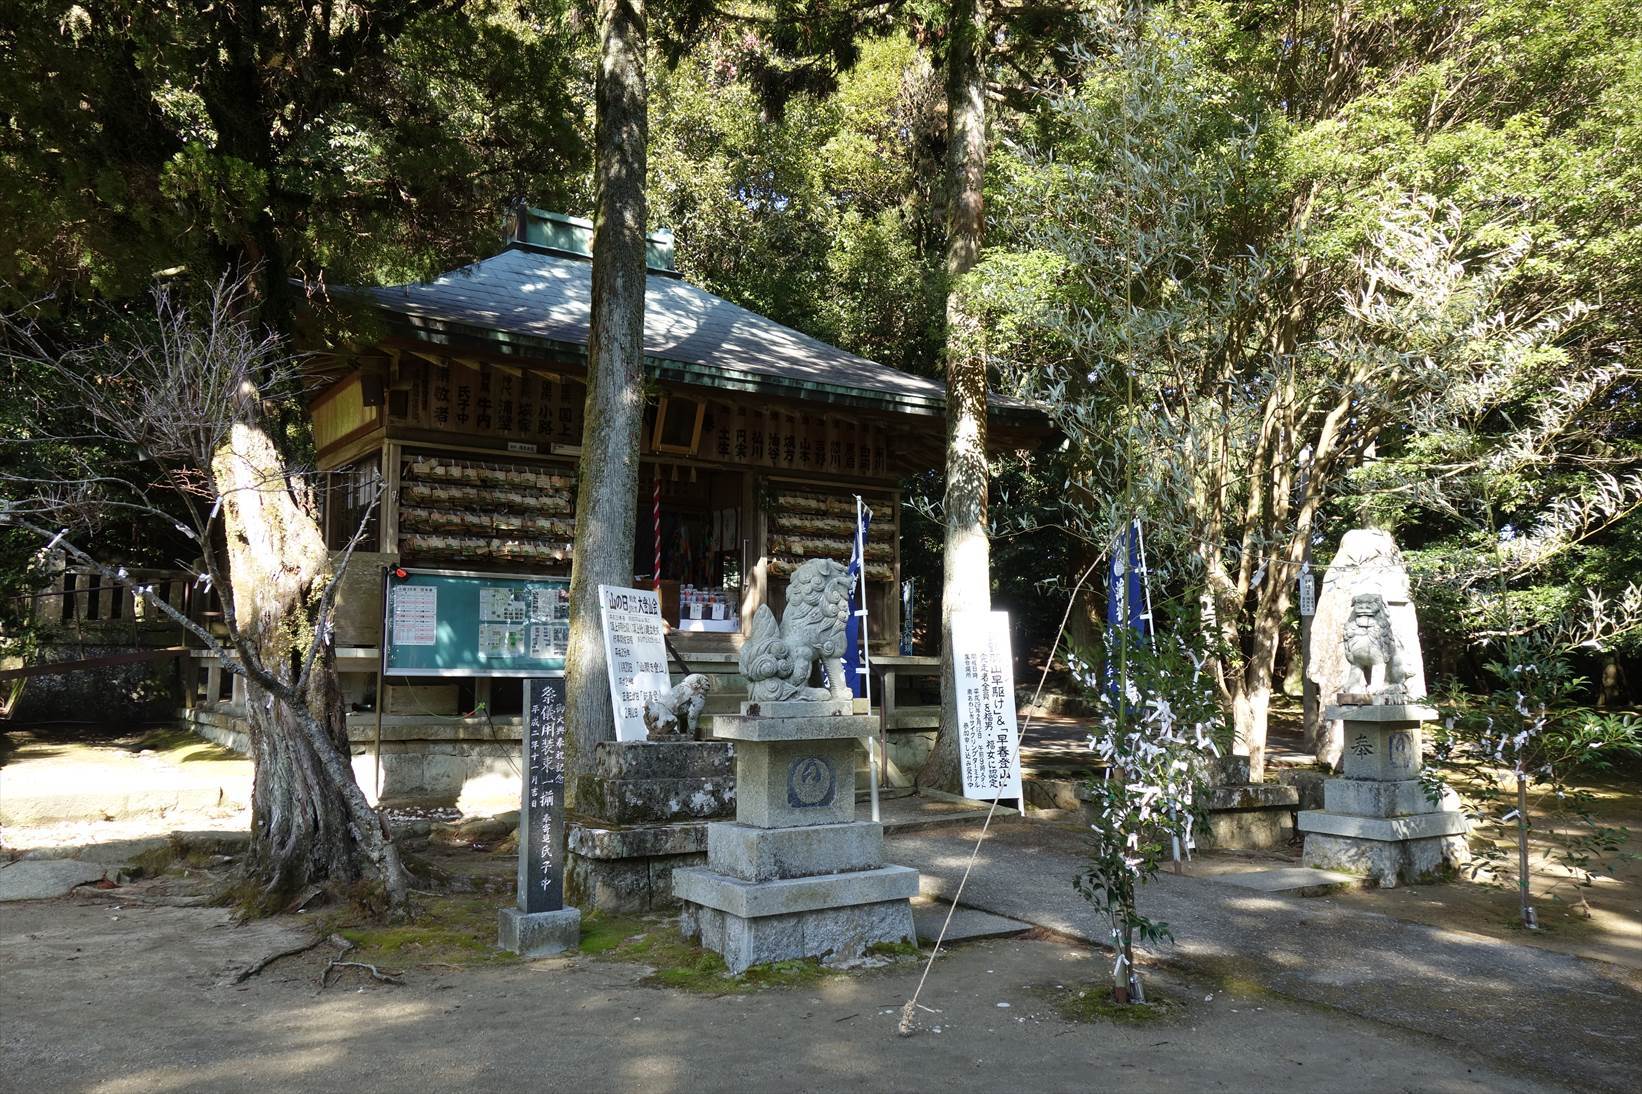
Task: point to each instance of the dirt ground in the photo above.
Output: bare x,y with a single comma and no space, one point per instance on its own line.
1611,932
131,989
112,997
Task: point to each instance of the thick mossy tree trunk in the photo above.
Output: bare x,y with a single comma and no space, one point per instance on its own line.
310,822
607,484
966,583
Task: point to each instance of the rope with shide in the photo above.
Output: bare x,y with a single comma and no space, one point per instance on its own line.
907,1027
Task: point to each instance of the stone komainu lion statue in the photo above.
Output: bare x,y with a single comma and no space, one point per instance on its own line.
778,661
677,713
1370,643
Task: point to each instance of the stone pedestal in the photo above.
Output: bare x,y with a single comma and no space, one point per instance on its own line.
1377,819
1240,815
640,815
539,934
795,875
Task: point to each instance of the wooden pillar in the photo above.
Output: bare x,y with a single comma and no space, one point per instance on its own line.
213,682
754,564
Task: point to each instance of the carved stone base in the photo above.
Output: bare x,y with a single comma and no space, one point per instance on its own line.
839,933
642,814
538,934
1388,862
795,875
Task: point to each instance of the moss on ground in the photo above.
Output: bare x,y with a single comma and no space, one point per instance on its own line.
655,941
176,856
1094,1003
455,930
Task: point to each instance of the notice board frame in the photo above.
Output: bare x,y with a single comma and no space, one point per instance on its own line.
516,668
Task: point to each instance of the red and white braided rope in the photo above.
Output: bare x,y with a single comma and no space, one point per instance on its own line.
655,513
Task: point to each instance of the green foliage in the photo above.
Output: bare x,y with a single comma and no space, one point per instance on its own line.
1158,731
1205,252
815,217
338,143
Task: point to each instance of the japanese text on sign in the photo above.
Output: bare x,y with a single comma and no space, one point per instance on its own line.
984,676
416,615
541,809
635,653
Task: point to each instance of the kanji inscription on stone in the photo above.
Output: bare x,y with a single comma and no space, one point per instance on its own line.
541,807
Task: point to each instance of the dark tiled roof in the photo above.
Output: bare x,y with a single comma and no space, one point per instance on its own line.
528,295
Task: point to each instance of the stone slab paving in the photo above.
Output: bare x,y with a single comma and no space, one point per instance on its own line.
45,782
42,879
1292,881
909,813
1579,1022
929,915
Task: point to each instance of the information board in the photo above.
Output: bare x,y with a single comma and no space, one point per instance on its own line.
454,623
983,667
541,805
636,655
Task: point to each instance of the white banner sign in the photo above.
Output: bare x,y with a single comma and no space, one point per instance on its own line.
634,651
984,670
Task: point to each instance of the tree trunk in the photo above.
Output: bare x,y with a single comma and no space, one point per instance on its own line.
607,481
1290,665
1530,920
966,572
310,822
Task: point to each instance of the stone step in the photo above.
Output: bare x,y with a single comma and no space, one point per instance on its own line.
1292,881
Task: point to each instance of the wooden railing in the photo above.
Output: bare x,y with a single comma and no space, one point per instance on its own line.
80,606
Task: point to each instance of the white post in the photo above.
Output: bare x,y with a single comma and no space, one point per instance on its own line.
865,667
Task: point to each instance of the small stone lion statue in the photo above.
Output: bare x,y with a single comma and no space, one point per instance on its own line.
1369,643
778,661
677,714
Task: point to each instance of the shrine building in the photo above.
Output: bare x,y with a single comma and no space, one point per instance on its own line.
463,423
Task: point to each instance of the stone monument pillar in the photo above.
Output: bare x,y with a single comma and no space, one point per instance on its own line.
540,923
1367,561
1377,819
796,875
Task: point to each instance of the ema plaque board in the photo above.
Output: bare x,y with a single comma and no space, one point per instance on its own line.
456,623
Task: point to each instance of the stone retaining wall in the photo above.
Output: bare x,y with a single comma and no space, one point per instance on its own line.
426,762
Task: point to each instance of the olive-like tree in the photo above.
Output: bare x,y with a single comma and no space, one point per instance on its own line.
188,396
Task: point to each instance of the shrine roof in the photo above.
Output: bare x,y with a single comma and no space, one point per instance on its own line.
531,297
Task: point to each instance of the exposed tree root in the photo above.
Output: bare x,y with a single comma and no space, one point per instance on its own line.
253,969
376,973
